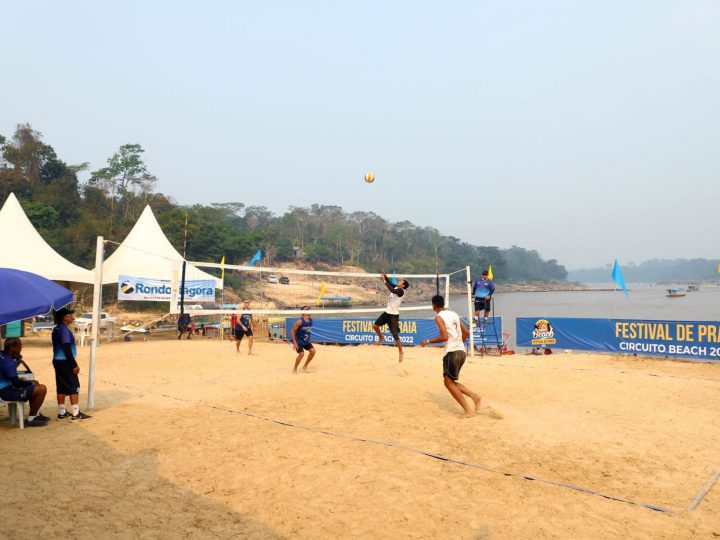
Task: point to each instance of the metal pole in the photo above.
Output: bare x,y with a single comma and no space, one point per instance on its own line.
95,329
471,322
447,290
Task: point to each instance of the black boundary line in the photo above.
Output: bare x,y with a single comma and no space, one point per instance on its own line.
703,491
440,457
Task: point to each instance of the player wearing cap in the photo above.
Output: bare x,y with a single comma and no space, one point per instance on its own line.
66,368
482,290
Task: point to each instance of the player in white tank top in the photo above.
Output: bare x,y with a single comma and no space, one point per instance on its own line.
453,333
452,326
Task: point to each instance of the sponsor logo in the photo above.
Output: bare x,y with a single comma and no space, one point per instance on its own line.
127,287
543,333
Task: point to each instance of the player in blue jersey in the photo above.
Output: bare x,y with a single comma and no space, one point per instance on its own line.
66,368
483,290
243,327
300,334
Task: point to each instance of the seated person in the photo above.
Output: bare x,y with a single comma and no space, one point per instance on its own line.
13,389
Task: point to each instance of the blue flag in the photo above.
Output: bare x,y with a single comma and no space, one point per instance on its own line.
618,278
256,257
393,278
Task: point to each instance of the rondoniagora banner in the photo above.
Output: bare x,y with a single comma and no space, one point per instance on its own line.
687,339
139,288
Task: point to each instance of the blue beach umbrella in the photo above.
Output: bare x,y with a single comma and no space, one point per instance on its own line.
24,294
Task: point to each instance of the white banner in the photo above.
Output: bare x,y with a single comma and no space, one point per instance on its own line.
139,288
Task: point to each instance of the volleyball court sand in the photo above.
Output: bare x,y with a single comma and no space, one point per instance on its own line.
186,440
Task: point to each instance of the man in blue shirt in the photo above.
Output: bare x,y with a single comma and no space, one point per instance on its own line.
14,389
66,368
243,327
300,334
482,290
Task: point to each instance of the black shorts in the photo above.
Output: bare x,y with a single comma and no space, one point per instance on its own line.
66,381
304,345
239,333
482,304
452,363
24,393
182,328
393,322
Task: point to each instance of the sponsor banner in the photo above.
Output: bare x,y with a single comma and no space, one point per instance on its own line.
686,339
360,330
139,288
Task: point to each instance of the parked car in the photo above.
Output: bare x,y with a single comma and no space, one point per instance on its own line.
272,278
86,319
284,281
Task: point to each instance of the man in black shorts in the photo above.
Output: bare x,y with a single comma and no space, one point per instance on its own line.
483,290
391,315
243,327
454,334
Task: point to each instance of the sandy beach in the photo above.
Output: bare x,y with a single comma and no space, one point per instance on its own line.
192,439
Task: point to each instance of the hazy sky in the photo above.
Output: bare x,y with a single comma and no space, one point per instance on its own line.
588,131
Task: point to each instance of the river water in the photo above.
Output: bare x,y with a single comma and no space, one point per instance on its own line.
644,302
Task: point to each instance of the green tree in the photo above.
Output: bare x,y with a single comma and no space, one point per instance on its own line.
125,181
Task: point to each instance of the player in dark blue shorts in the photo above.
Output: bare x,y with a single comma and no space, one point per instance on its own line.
243,327
300,334
12,388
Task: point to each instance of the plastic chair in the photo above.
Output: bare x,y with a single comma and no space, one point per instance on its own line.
17,411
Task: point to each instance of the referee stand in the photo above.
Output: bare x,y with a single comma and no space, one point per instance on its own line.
485,335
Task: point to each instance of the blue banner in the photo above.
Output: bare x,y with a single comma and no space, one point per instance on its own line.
412,331
698,340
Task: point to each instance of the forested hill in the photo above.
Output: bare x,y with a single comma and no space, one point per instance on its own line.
653,271
70,214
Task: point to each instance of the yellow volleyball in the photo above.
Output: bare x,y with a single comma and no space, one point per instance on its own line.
369,177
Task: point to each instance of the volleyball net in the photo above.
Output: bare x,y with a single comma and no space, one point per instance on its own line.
289,291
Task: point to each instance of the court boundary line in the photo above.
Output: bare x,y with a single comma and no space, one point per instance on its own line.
703,490
387,444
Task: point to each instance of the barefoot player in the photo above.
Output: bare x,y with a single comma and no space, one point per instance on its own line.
243,327
453,333
391,315
300,334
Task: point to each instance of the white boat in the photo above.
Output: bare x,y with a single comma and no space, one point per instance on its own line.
675,292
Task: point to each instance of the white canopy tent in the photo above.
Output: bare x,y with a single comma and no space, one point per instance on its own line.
146,252
23,248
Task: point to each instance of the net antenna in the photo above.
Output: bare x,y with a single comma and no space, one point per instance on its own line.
437,272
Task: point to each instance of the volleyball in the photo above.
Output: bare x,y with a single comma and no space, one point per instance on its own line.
369,177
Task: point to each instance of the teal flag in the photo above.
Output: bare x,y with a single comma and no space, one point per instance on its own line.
256,257
618,278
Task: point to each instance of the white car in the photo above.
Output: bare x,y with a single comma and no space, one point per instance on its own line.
86,319
272,278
